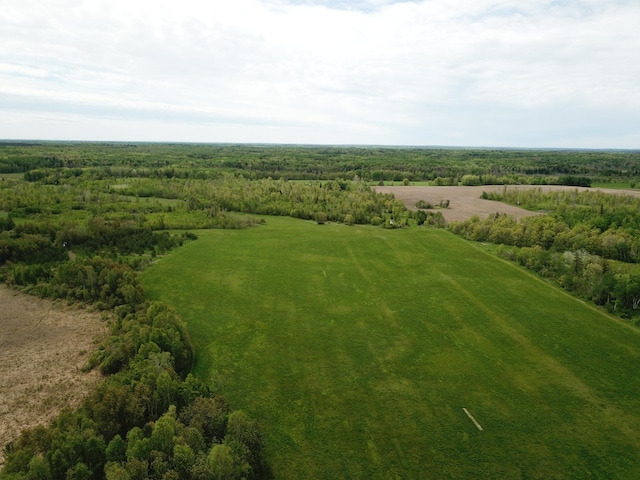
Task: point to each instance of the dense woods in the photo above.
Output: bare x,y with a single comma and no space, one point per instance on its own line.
443,166
77,222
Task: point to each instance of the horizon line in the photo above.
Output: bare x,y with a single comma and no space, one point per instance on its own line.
33,141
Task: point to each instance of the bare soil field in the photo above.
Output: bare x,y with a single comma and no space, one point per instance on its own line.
43,347
466,202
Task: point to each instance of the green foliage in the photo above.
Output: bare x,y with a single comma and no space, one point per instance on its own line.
349,219
108,284
244,431
334,199
574,181
6,223
53,163
223,464
209,416
116,450
116,236
116,220
470,180
70,447
423,204
320,218
420,216
18,246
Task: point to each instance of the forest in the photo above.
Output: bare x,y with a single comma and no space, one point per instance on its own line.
442,166
79,221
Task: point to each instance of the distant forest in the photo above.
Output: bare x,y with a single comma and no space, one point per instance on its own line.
441,166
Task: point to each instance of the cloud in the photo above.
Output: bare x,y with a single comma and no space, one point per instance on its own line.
327,71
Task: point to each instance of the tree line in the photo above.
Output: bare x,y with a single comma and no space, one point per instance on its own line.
602,224
586,242
150,418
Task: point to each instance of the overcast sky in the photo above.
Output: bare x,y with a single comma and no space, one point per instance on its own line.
510,73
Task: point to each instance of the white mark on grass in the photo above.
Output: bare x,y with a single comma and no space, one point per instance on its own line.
472,418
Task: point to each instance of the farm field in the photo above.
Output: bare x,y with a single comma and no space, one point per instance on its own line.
357,349
43,347
466,201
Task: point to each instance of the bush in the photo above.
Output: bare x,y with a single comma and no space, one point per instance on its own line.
471,180
320,218
423,204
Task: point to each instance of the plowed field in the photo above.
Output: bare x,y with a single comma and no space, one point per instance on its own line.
466,202
43,346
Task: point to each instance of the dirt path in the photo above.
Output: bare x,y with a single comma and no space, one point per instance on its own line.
466,202
43,346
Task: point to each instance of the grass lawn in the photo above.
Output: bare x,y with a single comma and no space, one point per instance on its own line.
357,349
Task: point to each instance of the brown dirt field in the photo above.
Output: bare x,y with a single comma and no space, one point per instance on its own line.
43,346
466,202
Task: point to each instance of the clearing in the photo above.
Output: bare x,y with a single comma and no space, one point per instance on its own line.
43,346
466,201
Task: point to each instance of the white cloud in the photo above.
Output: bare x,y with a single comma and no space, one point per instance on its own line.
371,71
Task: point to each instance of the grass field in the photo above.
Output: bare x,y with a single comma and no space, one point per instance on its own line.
615,185
357,349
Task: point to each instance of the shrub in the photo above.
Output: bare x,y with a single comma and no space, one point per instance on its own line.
423,204
320,218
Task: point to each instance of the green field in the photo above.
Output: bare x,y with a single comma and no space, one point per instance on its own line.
614,185
357,348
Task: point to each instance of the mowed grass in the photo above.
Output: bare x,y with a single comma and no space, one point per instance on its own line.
357,348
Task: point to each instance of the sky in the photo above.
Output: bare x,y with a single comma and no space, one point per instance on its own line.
490,73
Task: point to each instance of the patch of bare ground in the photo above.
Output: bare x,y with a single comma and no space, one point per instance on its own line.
43,347
465,202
